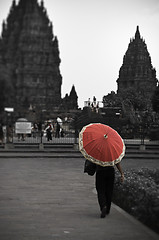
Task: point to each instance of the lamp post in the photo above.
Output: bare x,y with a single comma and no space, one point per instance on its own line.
8,110
143,128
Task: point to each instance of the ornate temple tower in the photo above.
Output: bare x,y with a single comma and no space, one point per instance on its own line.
30,55
70,101
137,71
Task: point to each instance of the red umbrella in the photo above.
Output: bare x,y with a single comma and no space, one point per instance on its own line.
101,144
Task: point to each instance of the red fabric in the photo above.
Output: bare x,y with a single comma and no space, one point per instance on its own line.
105,149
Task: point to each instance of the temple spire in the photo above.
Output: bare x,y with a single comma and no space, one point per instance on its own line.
137,34
137,71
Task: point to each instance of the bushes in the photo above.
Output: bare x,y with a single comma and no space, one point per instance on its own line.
139,195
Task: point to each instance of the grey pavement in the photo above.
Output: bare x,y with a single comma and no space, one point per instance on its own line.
52,199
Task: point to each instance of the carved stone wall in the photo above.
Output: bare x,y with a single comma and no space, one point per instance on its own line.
30,53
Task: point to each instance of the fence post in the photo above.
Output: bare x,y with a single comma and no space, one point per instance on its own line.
41,136
41,145
76,134
142,132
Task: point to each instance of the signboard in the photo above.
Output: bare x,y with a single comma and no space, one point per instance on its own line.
7,109
23,127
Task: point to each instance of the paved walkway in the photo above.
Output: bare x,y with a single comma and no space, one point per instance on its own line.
52,199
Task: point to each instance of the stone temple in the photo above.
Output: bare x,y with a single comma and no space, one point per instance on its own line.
137,71
30,76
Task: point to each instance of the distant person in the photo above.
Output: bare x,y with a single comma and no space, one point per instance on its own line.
9,134
57,134
21,136
49,132
89,102
61,132
1,135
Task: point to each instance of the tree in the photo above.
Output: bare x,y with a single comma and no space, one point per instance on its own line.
6,88
136,99
155,100
2,95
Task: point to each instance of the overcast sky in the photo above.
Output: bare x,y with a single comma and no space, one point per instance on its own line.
93,38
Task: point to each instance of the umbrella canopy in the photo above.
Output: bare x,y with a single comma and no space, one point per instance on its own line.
101,144
22,120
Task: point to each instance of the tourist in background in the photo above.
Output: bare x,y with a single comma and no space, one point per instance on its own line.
1,134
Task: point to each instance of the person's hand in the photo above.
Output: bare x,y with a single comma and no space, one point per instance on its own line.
122,178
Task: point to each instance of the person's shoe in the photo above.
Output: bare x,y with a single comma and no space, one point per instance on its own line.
104,212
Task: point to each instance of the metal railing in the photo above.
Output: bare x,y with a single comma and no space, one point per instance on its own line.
66,134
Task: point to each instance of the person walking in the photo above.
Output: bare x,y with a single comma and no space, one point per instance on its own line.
57,134
104,147
1,134
104,182
49,132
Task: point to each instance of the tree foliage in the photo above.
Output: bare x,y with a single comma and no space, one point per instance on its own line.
155,100
6,88
2,95
136,100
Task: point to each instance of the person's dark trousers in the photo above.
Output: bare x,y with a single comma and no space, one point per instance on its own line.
104,186
49,137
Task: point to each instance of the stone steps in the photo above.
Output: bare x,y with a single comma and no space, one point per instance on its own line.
69,151
34,150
